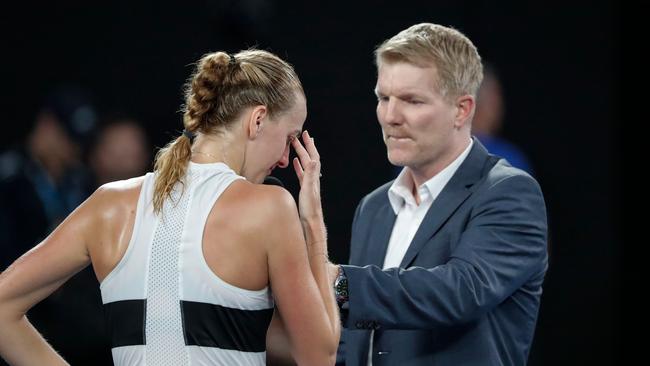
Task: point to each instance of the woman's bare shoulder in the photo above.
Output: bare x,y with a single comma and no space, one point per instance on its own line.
261,213
122,186
267,202
114,198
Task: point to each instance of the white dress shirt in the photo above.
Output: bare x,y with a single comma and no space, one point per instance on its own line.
410,214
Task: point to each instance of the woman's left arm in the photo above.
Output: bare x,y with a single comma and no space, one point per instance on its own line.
37,274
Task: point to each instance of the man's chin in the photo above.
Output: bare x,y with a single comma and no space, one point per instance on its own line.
398,160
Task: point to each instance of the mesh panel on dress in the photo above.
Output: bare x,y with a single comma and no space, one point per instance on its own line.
165,344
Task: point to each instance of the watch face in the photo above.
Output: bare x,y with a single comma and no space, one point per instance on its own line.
341,287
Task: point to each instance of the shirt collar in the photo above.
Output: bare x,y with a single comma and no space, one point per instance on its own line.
400,191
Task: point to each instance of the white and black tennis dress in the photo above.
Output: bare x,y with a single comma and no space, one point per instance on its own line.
163,304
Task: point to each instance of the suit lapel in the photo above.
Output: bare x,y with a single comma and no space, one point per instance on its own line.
382,227
453,195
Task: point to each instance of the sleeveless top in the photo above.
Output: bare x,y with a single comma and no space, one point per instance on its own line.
163,304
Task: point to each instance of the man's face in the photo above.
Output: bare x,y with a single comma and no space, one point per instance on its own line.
416,121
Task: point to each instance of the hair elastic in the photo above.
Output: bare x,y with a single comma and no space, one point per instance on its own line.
189,134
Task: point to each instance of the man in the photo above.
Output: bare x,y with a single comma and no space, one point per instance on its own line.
447,261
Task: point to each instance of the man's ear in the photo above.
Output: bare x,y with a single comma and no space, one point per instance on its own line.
256,120
465,105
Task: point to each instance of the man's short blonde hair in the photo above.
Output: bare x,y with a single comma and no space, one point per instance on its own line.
448,51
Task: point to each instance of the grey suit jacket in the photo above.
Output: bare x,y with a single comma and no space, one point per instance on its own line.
468,290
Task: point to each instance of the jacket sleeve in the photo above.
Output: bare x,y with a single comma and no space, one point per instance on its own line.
503,245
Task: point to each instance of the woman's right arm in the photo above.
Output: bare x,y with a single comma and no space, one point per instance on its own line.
313,231
32,278
308,170
300,285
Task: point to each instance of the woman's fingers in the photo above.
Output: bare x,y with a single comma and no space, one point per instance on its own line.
298,169
310,146
301,152
308,156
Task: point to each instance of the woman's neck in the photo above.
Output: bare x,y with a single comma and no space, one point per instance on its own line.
223,148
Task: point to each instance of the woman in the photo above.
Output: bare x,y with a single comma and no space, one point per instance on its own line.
187,255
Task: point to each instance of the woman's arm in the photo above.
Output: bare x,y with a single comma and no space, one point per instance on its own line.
297,279
307,167
278,347
32,278
299,273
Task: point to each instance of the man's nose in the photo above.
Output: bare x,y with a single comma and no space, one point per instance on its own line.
391,112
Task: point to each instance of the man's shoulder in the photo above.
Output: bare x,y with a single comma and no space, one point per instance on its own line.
380,192
503,171
378,196
502,178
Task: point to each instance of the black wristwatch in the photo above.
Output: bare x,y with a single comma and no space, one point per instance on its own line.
341,288
341,293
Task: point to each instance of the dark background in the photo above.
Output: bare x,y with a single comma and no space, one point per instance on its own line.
558,61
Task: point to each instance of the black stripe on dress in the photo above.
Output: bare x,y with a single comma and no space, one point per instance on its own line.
209,325
125,322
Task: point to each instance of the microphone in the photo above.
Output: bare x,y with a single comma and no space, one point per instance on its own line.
273,181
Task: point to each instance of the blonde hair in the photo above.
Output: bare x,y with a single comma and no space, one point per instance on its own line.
451,53
220,88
